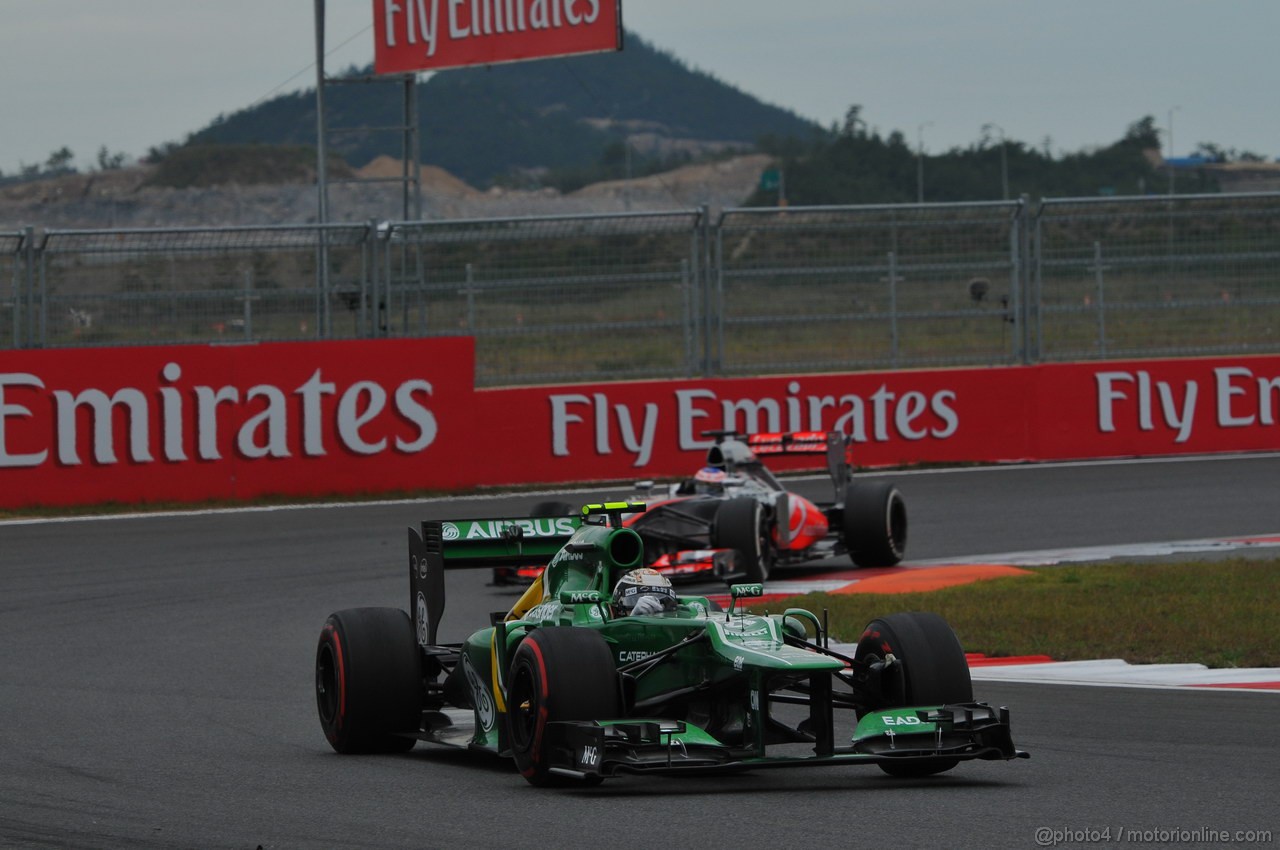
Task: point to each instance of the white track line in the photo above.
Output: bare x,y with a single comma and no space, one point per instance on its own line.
1118,673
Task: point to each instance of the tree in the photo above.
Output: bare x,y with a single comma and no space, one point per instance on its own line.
1143,132
108,161
852,121
59,161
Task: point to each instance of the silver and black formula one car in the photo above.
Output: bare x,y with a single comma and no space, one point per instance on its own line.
735,504
574,691
735,521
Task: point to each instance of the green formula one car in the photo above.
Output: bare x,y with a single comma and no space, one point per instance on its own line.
574,691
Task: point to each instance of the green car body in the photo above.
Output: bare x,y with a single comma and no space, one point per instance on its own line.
574,693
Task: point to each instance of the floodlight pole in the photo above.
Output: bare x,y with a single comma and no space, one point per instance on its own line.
920,161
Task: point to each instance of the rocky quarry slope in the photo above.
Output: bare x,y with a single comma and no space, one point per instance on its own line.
122,198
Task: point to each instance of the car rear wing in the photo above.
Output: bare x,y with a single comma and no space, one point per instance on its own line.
475,544
836,445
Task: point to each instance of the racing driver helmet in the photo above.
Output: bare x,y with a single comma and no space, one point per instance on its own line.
644,582
709,479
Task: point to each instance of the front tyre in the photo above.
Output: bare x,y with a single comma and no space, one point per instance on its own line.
932,670
557,673
874,523
741,524
369,681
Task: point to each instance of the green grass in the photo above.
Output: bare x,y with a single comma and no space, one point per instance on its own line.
1217,613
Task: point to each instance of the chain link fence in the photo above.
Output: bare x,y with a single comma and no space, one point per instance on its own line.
550,299
11,289
115,287
842,288
1155,276
679,294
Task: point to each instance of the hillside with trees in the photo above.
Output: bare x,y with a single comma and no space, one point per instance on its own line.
855,165
519,123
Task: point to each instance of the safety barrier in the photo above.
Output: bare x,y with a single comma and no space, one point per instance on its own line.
683,294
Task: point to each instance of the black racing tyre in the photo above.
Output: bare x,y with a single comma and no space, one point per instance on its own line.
369,681
933,671
741,524
874,523
557,673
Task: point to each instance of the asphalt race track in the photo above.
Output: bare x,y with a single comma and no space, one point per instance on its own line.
156,690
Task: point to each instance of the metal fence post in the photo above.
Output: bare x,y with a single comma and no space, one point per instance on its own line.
1017,281
368,269
893,307
29,288
687,319
248,299
711,341
43,294
1035,300
1102,303
470,290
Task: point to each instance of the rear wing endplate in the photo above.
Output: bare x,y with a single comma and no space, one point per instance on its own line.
475,544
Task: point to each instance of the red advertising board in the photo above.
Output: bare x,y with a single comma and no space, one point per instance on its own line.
192,423
425,35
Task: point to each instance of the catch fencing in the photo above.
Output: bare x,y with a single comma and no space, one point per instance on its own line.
550,299
685,293
1156,277
13,288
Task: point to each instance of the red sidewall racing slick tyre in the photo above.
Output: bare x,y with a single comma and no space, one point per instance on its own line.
557,673
874,523
369,681
933,671
741,524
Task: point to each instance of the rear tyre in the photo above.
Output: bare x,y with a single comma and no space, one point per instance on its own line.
874,523
557,673
933,671
369,681
741,524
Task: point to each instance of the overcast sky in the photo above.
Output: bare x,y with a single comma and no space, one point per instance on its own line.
130,74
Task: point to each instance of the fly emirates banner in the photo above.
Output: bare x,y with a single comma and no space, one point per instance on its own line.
194,423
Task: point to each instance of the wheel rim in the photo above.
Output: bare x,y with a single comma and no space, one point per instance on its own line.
897,523
522,709
327,695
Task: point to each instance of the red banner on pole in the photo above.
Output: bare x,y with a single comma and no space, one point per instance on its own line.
427,35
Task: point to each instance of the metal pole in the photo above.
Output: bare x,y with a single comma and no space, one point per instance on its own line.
369,276
686,316
716,367
43,337
471,298
1004,159
1004,170
322,183
29,272
248,304
16,300
704,272
1035,344
1102,309
920,161
893,307
1017,270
